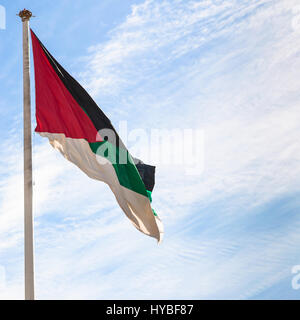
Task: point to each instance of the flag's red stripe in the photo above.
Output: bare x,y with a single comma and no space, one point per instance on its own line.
56,109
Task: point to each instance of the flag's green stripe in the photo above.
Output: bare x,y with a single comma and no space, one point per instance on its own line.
122,162
149,193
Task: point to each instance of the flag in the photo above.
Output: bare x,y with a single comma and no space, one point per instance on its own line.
78,128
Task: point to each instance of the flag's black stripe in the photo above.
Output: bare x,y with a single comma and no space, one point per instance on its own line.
98,118
147,174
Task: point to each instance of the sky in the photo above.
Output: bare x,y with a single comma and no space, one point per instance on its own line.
228,69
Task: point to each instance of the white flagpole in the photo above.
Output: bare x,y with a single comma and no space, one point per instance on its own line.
28,218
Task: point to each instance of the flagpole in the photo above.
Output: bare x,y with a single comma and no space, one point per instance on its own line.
25,15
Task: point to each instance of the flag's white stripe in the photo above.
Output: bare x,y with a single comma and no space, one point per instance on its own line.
136,206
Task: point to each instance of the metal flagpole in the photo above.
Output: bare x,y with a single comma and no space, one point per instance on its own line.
28,218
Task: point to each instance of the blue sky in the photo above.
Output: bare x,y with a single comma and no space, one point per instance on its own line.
227,68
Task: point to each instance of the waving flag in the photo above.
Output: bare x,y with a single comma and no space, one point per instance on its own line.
76,126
